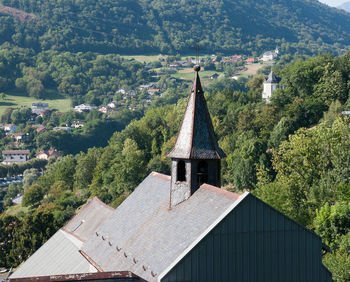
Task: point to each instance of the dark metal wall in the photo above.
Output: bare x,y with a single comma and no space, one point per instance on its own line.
254,243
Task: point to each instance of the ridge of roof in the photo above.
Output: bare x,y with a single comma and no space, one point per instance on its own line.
220,191
160,175
91,261
96,199
15,152
73,234
82,223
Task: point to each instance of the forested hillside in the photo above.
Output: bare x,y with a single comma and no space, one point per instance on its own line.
293,153
170,27
72,74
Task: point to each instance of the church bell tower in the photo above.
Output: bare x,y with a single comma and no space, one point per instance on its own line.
195,158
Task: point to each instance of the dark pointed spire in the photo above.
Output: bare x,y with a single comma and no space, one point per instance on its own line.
196,138
271,78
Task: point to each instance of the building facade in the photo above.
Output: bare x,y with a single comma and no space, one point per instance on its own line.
15,156
38,108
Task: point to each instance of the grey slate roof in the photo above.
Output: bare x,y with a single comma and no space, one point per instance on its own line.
88,219
271,78
60,254
196,138
15,152
144,236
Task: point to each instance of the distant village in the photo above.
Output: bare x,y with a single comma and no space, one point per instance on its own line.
148,92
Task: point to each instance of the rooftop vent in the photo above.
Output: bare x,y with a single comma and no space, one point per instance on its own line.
78,225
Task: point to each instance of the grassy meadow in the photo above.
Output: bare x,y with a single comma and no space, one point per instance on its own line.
15,99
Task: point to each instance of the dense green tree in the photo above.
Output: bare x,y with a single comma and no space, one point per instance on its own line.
332,222
32,232
86,164
33,195
8,226
311,165
30,176
338,261
64,170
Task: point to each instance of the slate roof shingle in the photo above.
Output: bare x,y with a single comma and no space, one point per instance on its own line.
60,254
144,236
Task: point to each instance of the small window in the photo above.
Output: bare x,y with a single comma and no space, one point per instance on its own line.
181,171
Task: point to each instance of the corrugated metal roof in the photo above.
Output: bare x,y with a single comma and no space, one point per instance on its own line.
143,236
60,254
196,138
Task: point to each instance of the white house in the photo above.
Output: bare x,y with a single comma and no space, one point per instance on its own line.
38,108
153,91
84,108
78,124
104,109
11,128
120,91
270,55
44,155
15,156
19,136
112,105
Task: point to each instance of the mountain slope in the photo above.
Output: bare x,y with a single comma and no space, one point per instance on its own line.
173,26
345,6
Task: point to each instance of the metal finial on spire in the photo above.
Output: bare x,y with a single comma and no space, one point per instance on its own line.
197,68
197,48
197,53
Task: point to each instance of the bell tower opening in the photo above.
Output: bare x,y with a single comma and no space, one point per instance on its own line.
181,171
202,172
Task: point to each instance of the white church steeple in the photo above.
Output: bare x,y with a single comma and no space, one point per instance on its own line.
270,85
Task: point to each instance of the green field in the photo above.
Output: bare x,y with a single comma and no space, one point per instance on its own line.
144,58
15,99
14,210
188,74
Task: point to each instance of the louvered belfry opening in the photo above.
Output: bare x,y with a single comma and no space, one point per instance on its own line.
196,154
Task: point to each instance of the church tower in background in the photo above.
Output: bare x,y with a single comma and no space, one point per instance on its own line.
271,83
